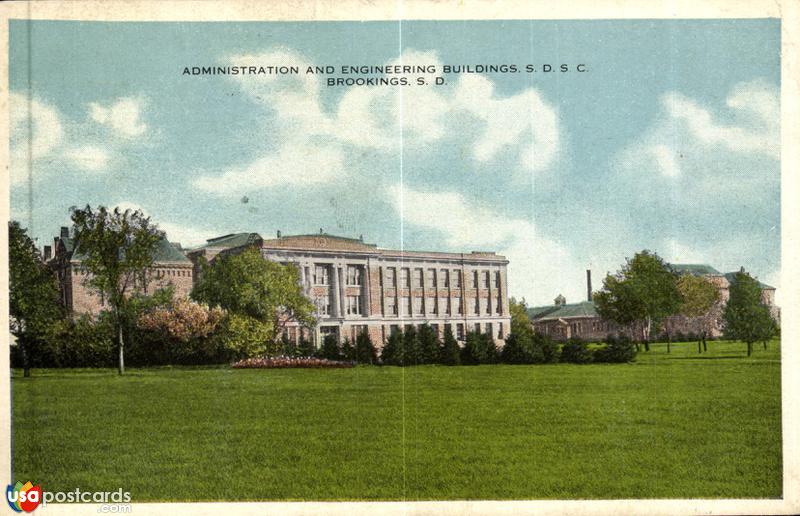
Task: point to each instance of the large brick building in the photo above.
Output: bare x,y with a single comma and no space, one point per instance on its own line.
170,267
358,286
563,321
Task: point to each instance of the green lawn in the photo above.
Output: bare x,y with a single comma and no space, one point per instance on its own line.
669,425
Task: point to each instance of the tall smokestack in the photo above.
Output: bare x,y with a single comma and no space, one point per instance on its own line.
588,285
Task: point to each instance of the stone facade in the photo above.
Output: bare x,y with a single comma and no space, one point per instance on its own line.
170,268
358,286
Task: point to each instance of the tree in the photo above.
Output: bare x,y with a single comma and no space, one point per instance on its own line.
428,344
643,292
698,297
330,348
746,317
520,321
450,352
33,296
116,249
411,346
247,284
393,352
478,349
365,350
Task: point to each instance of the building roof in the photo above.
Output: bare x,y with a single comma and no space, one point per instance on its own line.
541,313
731,277
694,268
232,240
165,252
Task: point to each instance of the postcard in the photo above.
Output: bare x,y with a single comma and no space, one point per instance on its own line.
405,258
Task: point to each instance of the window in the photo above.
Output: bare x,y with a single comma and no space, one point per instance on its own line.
444,278
431,305
477,327
395,328
485,283
323,305
460,331
353,275
474,279
391,306
457,279
432,278
497,306
435,328
489,329
405,306
496,279
457,304
353,305
389,276
418,277
477,308
417,306
448,327
500,331
444,305
320,275
404,277
488,306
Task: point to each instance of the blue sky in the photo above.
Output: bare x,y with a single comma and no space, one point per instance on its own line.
669,142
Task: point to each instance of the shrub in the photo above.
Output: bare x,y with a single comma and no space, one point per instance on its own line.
348,351
575,351
450,351
412,352
616,350
365,351
393,352
305,348
241,336
285,362
428,345
330,348
549,349
79,343
518,350
478,349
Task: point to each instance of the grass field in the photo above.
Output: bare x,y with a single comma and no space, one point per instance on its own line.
670,425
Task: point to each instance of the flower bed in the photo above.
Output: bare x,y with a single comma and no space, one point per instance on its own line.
282,362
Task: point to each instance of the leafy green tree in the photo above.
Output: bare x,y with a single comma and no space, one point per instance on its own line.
348,350
393,352
249,285
34,303
116,248
746,317
365,350
520,321
428,344
518,350
698,298
412,351
478,349
242,336
330,348
450,351
643,292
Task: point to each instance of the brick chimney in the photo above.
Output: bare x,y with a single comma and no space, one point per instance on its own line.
279,233
47,252
588,285
64,232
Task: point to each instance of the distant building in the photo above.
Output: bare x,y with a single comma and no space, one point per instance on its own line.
562,321
170,267
357,286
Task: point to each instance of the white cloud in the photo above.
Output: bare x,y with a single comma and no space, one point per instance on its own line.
123,116
91,158
36,131
385,119
186,235
537,266
296,163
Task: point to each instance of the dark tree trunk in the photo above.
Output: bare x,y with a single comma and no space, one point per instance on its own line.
669,342
705,346
699,349
749,348
647,345
765,344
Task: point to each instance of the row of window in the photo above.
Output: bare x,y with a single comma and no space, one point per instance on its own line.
442,278
487,328
414,305
409,277
159,273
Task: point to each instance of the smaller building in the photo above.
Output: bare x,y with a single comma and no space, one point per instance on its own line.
170,267
562,321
